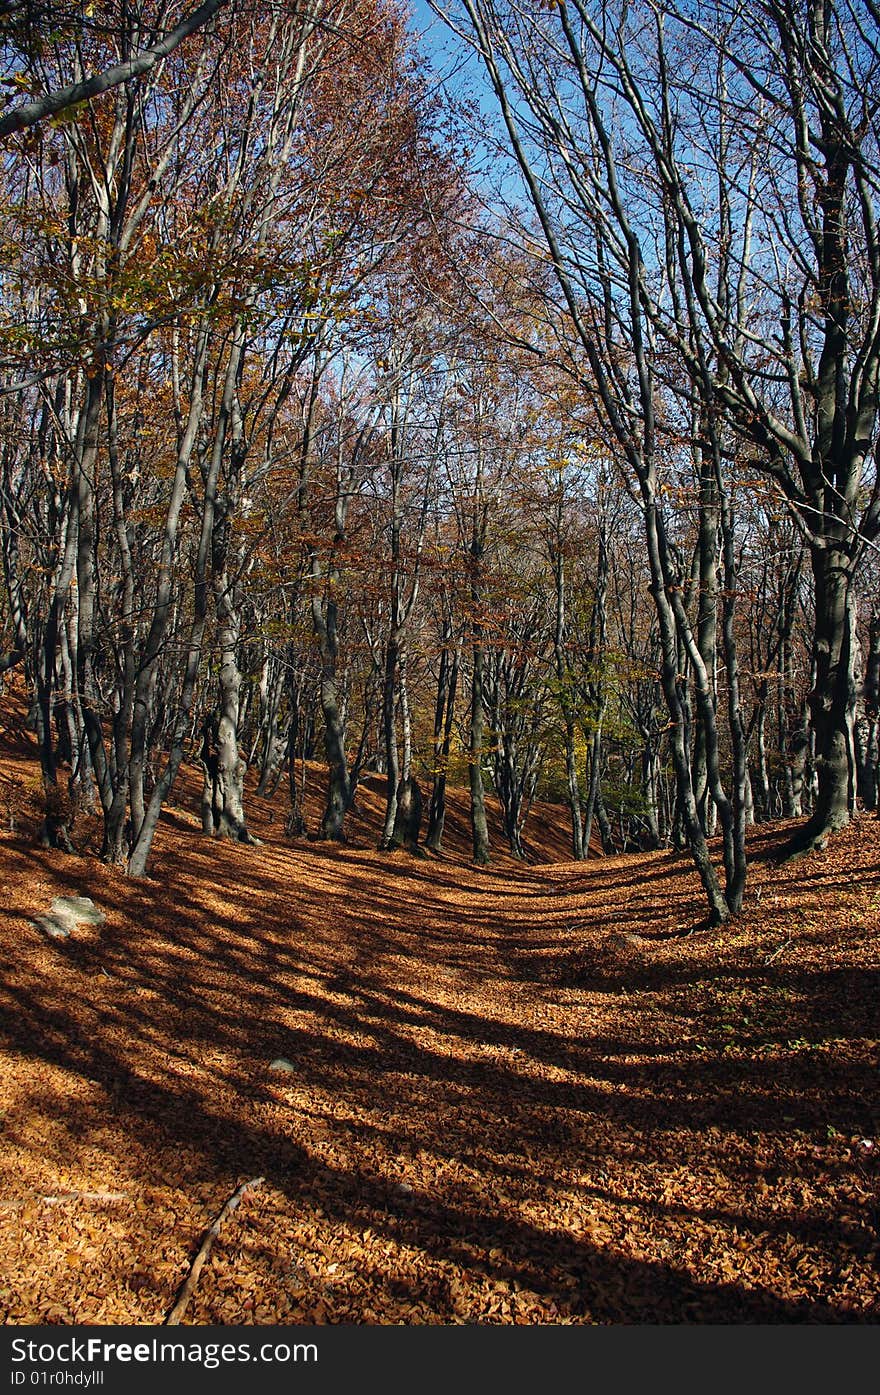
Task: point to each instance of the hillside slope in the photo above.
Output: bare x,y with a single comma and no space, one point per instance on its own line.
523,1094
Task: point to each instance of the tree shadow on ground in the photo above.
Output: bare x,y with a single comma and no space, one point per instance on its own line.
566,1123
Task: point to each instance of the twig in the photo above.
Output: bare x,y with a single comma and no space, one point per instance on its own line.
61,1198
776,953
188,1287
83,1196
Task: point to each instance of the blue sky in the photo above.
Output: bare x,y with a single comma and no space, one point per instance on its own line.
425,19
458,68
446,52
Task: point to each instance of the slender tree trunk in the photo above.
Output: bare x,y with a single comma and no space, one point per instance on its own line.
707,620
229,813
687,806
868,730
564,680
596,685
593,788
736,868
651,788
479,825
295,825
831,700
162,614
573,793
339,791
145,833
274,734
389,733
116,824
760,774
86,599
444,715
795,741
606,833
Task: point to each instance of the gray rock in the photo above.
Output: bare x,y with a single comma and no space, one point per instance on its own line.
55,926
282,1066
66,914
78,908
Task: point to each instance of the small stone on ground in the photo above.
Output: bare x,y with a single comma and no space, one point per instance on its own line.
55,926
78,908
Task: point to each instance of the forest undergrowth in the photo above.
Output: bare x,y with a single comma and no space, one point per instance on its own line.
536,1092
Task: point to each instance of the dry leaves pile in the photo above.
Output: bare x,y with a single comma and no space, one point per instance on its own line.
519,1095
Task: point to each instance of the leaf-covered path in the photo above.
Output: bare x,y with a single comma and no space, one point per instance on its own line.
518,1095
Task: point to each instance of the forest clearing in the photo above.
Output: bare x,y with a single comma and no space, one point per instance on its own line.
530,1093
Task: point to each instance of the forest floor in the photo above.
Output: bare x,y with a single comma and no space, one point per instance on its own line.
539,1093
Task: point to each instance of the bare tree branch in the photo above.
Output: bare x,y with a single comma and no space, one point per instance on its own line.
53,102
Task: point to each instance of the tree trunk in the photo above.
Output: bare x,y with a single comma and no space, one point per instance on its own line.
145,832
444,714
831,700
593,787
160,620
707,623
573,792
669,671
760,775
338,783
564,680
389,732
117,823
596,685
868,730
228,804
797,745
605,831
274,733
338,779
651,787
479,825
408,821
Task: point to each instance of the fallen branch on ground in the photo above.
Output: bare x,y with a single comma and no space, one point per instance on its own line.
188,1287
61,1198
776,953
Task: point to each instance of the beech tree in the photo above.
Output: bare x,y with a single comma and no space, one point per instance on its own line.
705,183
209,224
304,451
612,333
24,26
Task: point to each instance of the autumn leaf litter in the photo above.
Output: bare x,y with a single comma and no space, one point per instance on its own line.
527,1094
